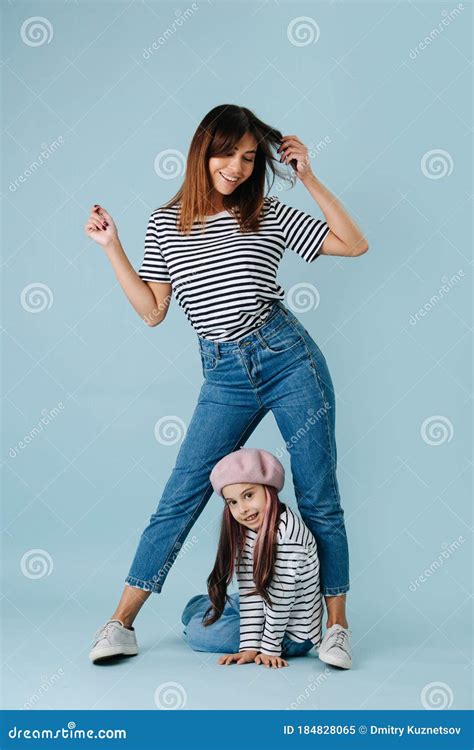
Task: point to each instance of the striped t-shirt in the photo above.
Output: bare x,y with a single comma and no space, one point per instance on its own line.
225,280
294,591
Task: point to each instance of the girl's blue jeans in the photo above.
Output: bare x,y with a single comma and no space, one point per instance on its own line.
223,636
278,368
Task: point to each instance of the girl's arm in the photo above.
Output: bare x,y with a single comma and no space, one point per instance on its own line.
251,621
345,237
282,594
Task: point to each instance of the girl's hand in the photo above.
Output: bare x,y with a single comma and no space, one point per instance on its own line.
101,227
270,661
244,657
293,150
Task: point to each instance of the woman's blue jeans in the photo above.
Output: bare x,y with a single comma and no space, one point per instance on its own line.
223,636
278,368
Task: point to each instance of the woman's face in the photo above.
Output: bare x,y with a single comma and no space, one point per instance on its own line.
228,171
246,503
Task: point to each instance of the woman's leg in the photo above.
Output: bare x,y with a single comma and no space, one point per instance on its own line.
130,604
303,403
216,428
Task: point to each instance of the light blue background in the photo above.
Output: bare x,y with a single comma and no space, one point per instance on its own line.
83,489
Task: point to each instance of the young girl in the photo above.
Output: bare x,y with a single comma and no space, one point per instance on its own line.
278,609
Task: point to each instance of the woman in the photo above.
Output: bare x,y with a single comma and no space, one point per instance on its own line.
216,245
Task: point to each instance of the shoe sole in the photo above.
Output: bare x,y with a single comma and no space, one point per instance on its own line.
109,653
328,659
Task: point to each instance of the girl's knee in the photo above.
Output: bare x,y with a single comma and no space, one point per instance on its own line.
197,605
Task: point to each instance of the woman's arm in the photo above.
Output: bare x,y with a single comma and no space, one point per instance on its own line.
149,299
345,237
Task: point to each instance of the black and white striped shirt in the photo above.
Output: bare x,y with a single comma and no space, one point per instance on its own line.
225,280
294,591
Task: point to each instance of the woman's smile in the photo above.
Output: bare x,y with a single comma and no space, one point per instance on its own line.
228,177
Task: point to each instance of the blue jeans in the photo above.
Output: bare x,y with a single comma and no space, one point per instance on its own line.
223,636
278,368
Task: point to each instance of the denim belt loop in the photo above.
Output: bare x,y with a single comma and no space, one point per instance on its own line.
217,350
261,339
283,308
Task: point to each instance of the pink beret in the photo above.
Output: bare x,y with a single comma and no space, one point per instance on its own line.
248,465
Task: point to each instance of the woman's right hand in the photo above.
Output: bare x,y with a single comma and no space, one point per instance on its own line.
101,227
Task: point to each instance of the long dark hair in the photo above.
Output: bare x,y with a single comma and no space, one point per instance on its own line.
216,135
229,555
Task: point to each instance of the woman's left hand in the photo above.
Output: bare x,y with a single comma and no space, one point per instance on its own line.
292,149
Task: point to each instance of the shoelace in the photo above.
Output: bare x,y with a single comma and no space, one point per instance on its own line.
339,639
103,632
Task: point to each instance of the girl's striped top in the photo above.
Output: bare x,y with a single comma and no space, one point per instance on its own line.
225,280
294,591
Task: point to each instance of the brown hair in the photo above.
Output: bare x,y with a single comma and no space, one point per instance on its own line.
229,555
216,135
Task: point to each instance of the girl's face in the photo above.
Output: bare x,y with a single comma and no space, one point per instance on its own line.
246,502
230,170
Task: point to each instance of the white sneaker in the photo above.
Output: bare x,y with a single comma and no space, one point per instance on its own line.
113,639
335,648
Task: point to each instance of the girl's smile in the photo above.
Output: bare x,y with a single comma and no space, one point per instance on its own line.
246,503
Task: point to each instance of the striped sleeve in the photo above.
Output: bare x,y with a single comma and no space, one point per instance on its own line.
282,593
153,267
251,605
302,232
251,622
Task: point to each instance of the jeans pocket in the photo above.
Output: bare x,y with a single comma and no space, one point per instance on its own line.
282,339
208,361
